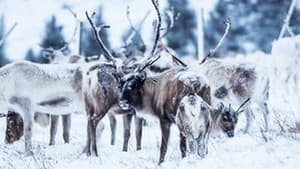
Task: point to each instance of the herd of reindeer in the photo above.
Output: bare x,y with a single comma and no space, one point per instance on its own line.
195,98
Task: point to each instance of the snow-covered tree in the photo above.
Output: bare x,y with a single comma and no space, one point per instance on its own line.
88,44
255,24
3,59
182,37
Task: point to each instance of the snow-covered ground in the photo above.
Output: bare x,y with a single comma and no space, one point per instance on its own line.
242,151
245,151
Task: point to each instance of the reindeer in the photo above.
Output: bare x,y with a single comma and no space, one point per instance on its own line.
194,121
160,96
237,82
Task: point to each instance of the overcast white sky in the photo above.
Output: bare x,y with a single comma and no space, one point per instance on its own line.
31,16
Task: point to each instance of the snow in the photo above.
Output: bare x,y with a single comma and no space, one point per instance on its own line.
242,151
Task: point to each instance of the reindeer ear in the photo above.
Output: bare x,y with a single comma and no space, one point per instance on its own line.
220,107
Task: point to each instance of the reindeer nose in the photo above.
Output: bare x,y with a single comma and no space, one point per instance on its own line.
124,105
192,99
230,133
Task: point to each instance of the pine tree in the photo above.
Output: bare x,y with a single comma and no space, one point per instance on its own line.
3,59
89,46
255,25
30,56
53,37
182,37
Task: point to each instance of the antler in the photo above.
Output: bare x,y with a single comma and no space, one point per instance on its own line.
246,101
136,30
8,33
107,53
171,17
213,51
157,37
152,58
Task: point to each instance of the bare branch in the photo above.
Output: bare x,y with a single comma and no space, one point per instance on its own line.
287,19
96,30
213,51
157,37
8,33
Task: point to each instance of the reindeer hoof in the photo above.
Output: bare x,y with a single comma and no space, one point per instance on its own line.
124,149
138,148
86,151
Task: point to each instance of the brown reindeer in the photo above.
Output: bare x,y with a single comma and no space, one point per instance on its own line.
160,96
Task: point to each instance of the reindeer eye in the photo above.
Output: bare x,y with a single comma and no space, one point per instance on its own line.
225,118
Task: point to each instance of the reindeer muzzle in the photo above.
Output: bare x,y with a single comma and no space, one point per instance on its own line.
230,133
124,105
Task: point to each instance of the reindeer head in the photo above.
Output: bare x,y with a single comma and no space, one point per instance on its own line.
131,95
14,127
193,120
227,117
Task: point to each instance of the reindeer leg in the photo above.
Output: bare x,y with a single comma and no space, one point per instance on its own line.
95,121
138,131
165,133
201,145
25,104
249,118
113,124
206,137
183,145
53,128
266,116
127,127
66,121
87,148
28,133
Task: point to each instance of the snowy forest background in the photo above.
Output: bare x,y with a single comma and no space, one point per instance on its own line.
51,24
198,25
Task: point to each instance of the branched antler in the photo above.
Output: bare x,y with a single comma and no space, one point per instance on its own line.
96,30
8,33
157,37
153,58
213,51
246,101
136,31
171,18
67,7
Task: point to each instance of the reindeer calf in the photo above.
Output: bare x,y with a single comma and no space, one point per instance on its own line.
194,121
